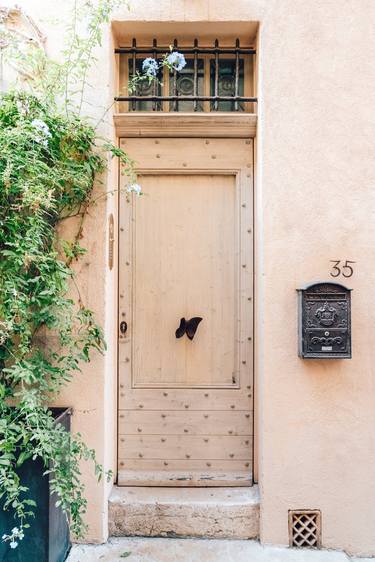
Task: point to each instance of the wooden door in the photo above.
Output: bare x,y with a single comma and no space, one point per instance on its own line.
185,405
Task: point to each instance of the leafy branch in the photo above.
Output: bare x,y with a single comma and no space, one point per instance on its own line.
50,160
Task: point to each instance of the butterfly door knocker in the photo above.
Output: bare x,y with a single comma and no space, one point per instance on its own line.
188,327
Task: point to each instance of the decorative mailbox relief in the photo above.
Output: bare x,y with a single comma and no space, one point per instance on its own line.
324,321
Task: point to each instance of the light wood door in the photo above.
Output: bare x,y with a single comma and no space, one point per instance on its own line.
185,405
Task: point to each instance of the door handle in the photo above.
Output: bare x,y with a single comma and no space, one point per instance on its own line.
188,327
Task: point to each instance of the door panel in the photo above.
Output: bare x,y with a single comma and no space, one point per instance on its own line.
186,249
185,422
181,447
174,399
185,406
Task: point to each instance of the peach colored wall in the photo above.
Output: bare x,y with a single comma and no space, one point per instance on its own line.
315,202
316,180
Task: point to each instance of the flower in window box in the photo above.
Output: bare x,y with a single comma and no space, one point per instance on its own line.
176,61
150,67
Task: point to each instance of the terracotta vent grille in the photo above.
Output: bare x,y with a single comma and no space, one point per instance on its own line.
305,528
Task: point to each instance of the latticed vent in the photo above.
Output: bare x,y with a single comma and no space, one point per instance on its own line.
305,528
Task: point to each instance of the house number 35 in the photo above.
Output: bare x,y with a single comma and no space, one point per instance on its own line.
342,268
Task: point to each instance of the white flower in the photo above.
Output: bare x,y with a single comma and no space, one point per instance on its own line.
150,67
44,142
176,61
41,126
4,537
14,531
13,544
43,131
134,188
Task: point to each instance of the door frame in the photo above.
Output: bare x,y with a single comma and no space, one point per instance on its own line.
188,125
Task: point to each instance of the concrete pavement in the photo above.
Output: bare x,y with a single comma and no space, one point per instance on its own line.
199,550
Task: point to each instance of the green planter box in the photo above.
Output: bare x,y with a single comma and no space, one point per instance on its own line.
47,539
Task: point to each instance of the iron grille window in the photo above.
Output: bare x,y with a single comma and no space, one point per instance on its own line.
214,79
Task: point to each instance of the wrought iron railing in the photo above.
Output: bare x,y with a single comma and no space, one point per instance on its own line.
217,56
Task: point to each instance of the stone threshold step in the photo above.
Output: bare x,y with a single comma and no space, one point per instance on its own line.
184,512
199,550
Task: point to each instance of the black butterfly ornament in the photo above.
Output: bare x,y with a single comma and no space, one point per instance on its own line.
188,327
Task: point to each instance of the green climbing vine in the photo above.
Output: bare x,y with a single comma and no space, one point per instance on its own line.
50,159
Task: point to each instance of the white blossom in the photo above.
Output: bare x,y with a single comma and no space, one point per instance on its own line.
43,132
134,188
15,533
176,61
41,126
150,67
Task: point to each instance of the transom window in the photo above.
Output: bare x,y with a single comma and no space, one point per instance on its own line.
214,79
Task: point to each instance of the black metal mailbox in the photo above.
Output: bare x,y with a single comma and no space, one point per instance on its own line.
324,321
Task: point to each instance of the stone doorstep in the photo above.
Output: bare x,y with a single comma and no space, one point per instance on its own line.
184,512
137,549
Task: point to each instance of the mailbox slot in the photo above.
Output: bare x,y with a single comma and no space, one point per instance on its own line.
324,321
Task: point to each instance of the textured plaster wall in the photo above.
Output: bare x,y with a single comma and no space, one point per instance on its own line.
315,201
317,418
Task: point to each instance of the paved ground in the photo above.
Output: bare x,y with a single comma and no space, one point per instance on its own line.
199,550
